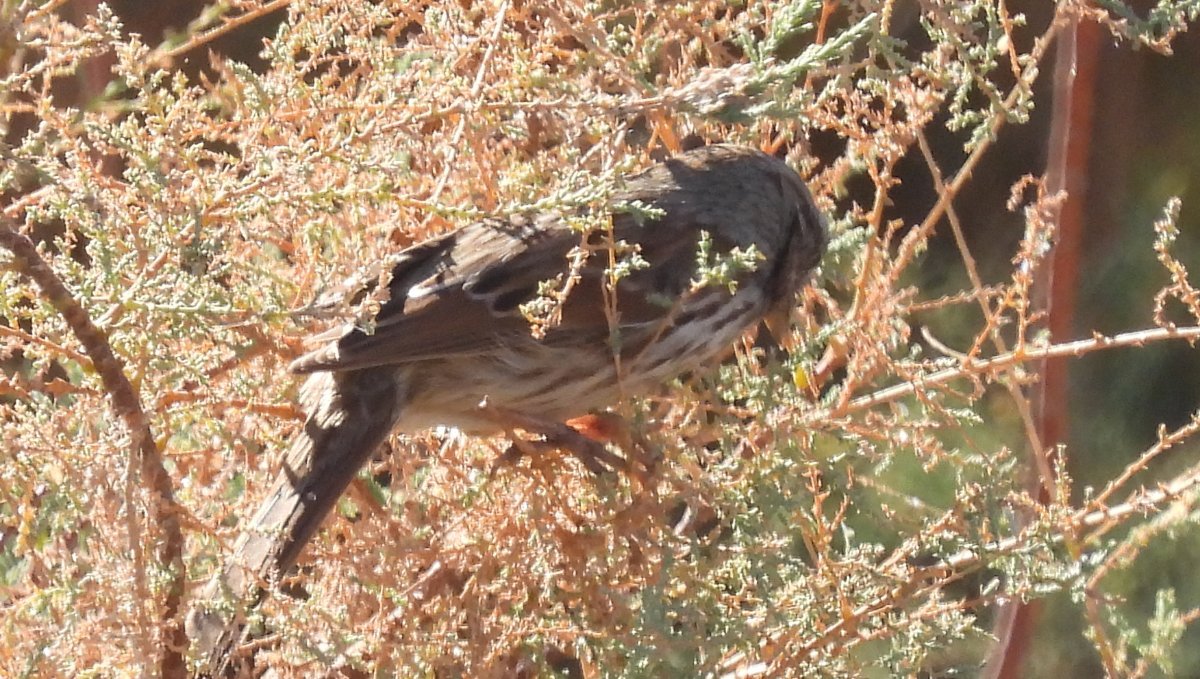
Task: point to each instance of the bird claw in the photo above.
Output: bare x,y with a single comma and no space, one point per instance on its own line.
555,435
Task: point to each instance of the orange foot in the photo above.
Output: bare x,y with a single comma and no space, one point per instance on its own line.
587,443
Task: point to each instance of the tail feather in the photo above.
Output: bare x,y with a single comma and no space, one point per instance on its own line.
350,414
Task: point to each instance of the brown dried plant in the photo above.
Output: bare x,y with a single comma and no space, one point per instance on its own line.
857,501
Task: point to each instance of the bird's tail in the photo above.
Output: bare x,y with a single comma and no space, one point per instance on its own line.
350,414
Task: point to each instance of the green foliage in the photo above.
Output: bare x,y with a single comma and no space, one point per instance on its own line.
723,270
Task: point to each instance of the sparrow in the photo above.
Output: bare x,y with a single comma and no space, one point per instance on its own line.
693,252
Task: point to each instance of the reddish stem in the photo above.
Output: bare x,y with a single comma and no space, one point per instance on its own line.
1066,171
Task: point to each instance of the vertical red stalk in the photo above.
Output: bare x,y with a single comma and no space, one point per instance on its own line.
1066,172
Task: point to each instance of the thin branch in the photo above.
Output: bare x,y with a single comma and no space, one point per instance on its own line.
909,246
915,581
1000,362
125,402
476,88
1165,442
992,328
218,31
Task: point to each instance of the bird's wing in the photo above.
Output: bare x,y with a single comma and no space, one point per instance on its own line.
461,293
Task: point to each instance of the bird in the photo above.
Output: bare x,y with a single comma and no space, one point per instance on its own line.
452,342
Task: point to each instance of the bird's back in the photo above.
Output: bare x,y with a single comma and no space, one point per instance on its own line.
455,329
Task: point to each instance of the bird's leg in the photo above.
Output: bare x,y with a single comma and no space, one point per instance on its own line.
592,453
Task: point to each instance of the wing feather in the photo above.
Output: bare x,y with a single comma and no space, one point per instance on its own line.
460,294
